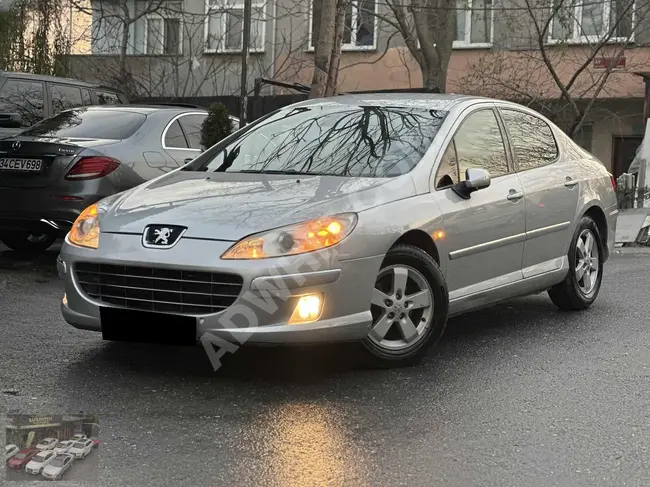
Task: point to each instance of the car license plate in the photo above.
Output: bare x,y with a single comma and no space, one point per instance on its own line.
128,325
22,165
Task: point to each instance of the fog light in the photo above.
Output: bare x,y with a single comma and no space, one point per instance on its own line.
65,299
308,309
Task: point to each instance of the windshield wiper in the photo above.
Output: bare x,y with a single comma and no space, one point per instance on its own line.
284,171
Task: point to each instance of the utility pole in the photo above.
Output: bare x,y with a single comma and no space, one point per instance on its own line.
243,97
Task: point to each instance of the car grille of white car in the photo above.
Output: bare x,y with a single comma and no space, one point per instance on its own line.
158,289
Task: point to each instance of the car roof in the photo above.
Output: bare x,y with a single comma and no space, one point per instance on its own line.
431,101
56,79
143,109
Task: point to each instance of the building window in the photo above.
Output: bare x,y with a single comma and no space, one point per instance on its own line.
359,25
577,21
163,36
225,28
474,21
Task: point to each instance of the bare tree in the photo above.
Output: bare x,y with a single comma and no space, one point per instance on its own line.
323,48
560,58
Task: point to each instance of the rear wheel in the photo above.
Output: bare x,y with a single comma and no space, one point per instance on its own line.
409,308
581,285
27,242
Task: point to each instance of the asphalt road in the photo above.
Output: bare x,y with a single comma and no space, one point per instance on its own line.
82,470
517,394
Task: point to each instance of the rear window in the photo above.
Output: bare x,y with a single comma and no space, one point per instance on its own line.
91,124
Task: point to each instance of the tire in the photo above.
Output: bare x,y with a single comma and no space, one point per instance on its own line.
387,344
572,294
26,242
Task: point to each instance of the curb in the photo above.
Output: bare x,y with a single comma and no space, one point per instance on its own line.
632,250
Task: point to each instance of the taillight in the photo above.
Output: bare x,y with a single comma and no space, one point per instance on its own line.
92,168
611,178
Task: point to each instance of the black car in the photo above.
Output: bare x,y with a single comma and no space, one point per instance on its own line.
26,99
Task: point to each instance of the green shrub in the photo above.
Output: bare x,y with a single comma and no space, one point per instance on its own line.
216,126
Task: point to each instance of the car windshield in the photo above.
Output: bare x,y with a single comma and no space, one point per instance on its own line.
62,444
89,124
20,456
39,458
329,139
78,444
57,462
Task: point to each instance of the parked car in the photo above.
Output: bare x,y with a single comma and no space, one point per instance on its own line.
95,442
52,171
47,444
58,466
63,447
379,215
78,437
39,462
26,99
10,451
22,458
81,448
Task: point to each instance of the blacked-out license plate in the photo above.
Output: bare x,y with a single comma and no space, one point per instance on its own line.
126,325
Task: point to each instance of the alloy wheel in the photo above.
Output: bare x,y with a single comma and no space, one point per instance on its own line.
586,266
402,308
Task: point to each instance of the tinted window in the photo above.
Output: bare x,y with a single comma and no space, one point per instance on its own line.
532,139
479,144
447,174
24,98
65,97
107,98
89,123
174,136
331,139
192,127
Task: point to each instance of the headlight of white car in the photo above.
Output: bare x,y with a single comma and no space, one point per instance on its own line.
294,239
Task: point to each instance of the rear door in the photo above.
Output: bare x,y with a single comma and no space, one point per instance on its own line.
181,137
485,233
551,191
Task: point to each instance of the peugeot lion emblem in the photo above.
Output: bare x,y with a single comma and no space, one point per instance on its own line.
16,145
162,236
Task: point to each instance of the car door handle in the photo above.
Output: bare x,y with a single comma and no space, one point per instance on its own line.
570,183
515,195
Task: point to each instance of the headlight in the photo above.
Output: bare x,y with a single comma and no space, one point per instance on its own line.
294,239
85,231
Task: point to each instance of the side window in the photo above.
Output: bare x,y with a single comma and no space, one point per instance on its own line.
174,137
191,125
85,97
447,174
65,97
106,98
479,144
24,98
532,139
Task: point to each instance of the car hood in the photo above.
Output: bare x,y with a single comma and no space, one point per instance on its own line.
229,206
16,461
51,470
32,464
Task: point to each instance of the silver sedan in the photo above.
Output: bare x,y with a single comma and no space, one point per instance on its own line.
369,218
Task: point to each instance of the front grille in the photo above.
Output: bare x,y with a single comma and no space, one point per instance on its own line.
156,289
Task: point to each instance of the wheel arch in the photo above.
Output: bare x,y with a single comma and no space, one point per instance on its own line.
597,214
422,240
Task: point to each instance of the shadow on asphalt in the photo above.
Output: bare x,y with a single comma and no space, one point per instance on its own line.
43,262
513,320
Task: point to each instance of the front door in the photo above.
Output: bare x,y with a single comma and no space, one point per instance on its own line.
551,186
485,233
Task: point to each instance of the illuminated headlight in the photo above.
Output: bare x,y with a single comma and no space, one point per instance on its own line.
85,231
294,239
308,309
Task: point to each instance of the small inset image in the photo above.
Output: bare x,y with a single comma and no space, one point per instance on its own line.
52,447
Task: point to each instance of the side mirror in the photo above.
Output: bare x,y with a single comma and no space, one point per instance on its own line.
475,179
11,120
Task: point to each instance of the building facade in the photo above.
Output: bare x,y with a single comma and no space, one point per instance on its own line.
193,48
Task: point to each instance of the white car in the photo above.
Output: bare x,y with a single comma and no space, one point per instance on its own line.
58,466
78,437
62,447
39,462
47,444
81,449
10,451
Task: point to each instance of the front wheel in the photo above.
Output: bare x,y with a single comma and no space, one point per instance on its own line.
27,242
581,285
409,308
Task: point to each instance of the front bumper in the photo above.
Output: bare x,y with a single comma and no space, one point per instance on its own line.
270,289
